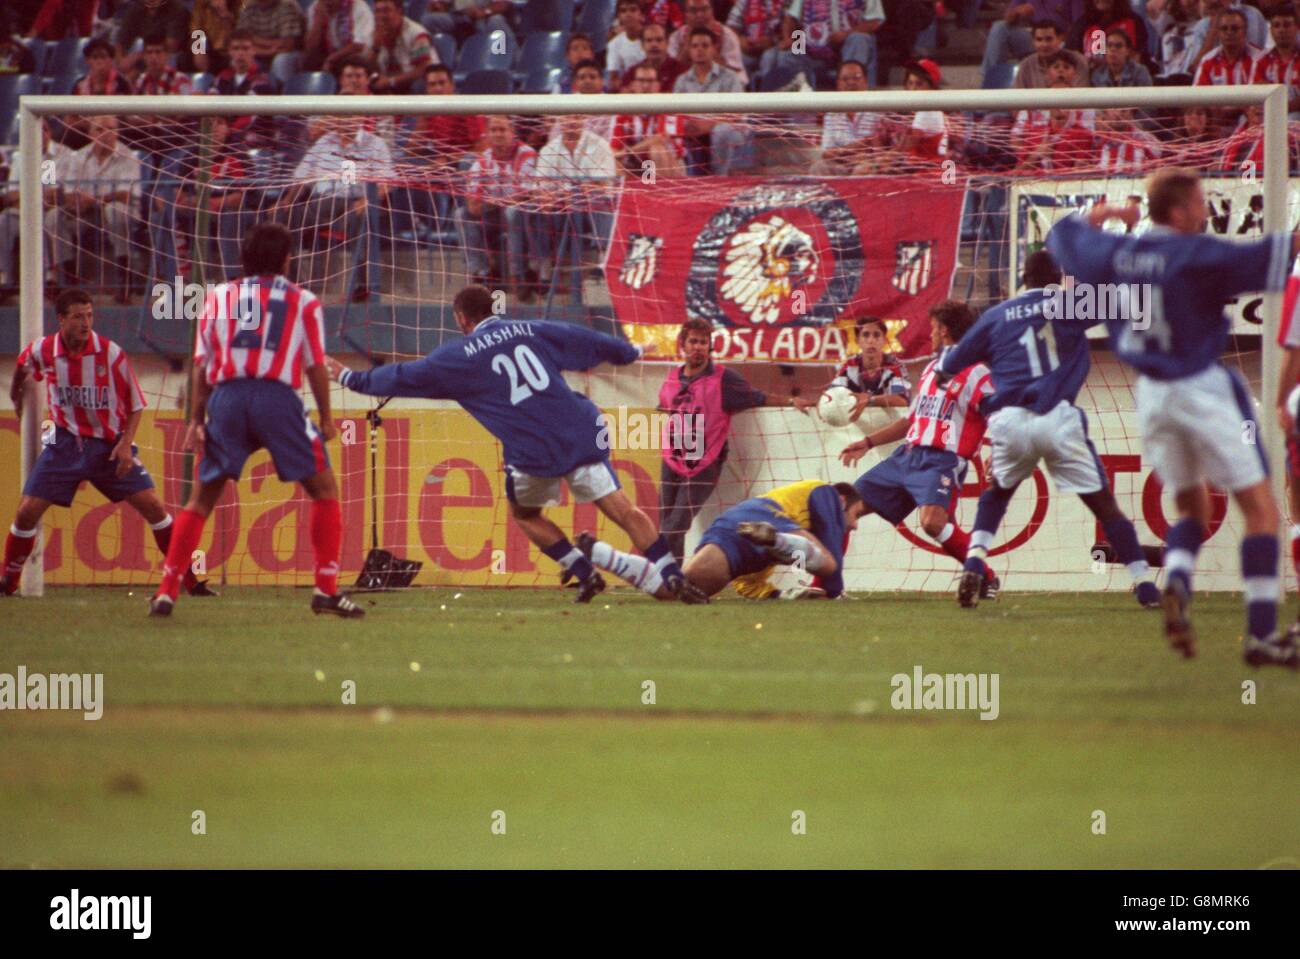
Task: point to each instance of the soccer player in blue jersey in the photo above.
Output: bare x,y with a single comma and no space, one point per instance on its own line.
1039,361
803,524
508,375
1196,417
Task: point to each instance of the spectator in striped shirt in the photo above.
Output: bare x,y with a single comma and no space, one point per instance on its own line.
401,51
1060,146
96,405
641,139
758,25
500,174
848,138
158,78
258,339
101,78
1244,151
1120,68
875,376
1281,63
1232,62
1124,148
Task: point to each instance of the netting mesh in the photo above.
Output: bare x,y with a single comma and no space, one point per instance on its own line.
779,229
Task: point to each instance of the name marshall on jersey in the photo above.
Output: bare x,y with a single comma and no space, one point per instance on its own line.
84,397
497,336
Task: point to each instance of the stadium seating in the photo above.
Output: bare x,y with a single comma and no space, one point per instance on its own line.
541,51
594,21
446,47
542,81
63,58
311,84
546,15
487,81
478,54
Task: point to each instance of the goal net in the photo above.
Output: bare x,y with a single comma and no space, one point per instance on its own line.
781,224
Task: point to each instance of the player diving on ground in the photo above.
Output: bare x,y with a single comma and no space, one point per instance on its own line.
803,525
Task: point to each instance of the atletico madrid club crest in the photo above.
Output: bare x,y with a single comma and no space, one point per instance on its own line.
912,266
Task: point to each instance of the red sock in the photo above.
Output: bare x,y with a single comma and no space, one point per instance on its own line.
956,543
163,537
17,549
1295,553
186,532
326,540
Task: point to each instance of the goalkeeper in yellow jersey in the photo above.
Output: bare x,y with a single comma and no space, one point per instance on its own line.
804,524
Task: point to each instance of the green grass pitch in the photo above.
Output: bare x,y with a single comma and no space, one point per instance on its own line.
524,704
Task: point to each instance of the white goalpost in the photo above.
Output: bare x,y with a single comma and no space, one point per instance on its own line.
34,179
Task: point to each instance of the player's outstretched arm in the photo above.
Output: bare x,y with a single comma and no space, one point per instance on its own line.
886,434
417,378
578,348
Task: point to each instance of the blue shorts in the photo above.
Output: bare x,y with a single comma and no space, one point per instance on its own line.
71,460
743,557
913,476
245,416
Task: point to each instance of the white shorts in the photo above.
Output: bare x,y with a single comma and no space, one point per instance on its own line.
1059,438
1201,428
586,483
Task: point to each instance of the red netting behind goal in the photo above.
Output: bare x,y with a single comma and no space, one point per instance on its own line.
779,230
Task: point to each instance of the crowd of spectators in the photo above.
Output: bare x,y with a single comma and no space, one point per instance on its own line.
564,168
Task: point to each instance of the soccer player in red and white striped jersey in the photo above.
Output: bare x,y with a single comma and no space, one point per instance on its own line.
657,138
95,404
259,336
943,430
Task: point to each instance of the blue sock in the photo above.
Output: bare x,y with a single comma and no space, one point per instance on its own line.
988,516
570,558
661,557
1259,555
1122,535
1181,547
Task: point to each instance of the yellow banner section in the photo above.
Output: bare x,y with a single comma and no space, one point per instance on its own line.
440,499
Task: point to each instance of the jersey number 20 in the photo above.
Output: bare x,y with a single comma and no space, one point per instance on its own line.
526,362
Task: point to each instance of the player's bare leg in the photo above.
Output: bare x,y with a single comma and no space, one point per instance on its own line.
151,509
653,572
21,541
708,570
1183,543
550,539
1263,646
326,541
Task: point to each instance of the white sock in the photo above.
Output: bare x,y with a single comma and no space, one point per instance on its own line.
1140,571
791,546
162,523
636,570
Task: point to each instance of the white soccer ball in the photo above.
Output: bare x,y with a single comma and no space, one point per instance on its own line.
836,406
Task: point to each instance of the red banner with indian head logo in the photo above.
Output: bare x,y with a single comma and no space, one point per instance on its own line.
782,267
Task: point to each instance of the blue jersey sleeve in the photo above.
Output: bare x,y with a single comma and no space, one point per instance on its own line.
1082,249
826,518
578,348
431,377
1232,267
